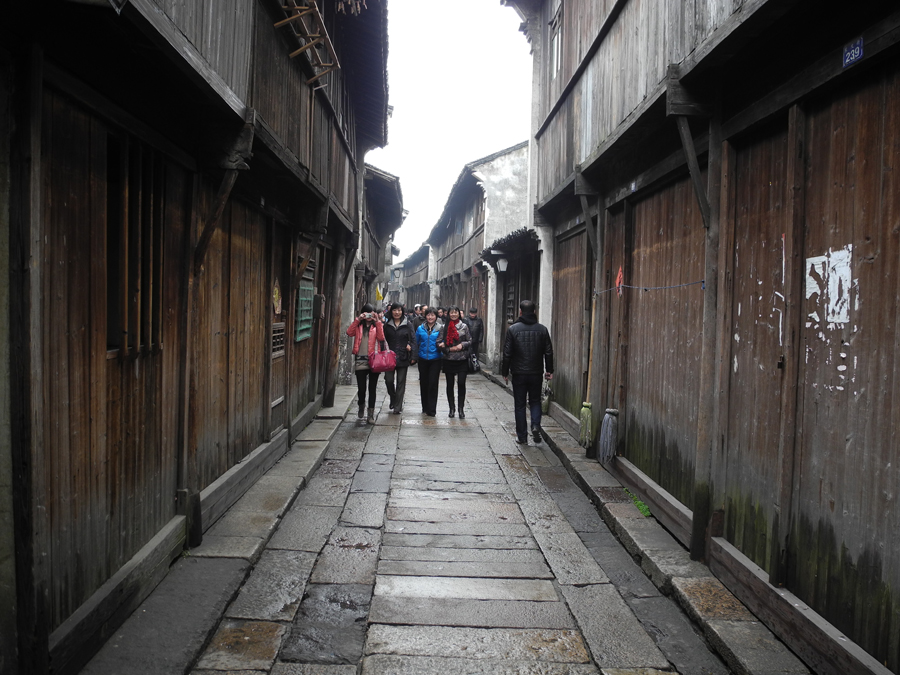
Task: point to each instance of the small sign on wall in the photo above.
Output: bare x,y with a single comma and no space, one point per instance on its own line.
853,52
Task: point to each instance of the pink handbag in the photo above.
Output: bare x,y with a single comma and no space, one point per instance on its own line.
382,361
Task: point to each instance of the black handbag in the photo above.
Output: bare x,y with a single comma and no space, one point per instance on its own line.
474,365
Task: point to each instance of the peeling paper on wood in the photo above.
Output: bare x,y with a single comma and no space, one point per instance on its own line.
829,277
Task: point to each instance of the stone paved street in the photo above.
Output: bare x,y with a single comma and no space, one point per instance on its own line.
436,545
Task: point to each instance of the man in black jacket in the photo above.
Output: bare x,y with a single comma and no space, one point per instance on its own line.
476,329
528,355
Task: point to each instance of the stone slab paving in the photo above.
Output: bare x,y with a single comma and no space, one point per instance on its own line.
275,587
424,665
482,555
464,587
462,612
437,545
324,491
166,633
507,570
536,644
364,509
439,498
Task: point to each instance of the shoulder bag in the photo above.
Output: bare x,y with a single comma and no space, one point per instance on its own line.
383,360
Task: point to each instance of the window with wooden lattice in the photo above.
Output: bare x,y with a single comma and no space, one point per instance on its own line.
277,339
305,293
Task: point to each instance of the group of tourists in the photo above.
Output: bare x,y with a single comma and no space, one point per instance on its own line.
435,343
442,340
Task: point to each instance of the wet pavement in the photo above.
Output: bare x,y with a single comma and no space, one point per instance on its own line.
439,545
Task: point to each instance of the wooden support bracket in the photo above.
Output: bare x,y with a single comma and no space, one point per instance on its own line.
690,154
680,101
683,104
583,190
235,160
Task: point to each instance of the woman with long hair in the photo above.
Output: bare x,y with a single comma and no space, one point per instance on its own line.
429,358
367,332
455,341
401,338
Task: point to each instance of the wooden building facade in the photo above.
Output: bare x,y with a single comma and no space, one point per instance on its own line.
728,223
182,204
414,274
383,216
485,204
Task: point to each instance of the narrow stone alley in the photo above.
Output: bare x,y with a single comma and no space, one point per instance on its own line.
420,545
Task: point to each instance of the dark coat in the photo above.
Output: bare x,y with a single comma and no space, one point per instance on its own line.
398,337
528,349
464,340
476,328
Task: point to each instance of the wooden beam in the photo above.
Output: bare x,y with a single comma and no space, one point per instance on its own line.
302,49
673,515
878,39
679,101
589,225
288,20
338,278
234,161
27,376
821,646
82,634
706,418
322,74
793,341
163,32
687,144
104,107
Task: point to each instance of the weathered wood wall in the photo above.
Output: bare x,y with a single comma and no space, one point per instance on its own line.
302,119
223,34
755,312
806,398
231,343
457,247
107,478
846,469
572,277
664,336
625,71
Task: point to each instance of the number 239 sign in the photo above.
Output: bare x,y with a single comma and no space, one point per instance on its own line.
853,52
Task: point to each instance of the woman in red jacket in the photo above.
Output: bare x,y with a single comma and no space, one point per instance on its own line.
367,332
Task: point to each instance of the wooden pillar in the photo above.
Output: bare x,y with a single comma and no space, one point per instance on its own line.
188,463
333,335
27,375
703,484
794,296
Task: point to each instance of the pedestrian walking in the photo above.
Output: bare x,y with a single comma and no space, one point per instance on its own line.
476,329
528,355
401,338
367,332
429,359
454,342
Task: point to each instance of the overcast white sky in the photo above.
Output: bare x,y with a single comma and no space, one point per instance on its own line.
460,82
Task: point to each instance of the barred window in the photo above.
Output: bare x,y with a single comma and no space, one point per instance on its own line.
304,319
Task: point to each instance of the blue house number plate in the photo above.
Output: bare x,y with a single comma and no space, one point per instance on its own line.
853,52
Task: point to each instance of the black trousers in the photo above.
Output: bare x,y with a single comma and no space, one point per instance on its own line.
527,387
456,370
363,376
396,393
429,378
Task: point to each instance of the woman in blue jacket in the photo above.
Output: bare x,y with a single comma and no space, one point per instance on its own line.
427,337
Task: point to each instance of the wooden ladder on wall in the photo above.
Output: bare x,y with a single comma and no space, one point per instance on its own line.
306,23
